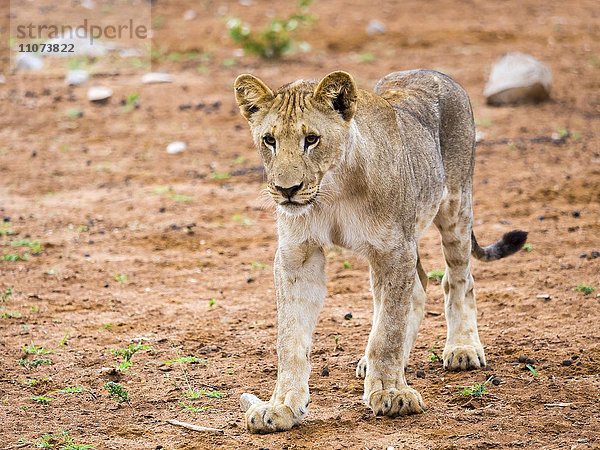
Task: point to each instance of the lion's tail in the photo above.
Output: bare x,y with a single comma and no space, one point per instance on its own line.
510,243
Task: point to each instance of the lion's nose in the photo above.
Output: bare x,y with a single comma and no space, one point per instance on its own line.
289,192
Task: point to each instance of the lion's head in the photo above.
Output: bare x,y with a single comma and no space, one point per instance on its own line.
300,130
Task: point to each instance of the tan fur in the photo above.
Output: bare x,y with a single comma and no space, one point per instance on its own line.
385,167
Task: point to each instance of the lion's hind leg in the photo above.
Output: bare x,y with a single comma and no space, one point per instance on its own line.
463,349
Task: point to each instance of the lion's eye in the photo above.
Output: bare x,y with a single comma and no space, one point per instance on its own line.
269,140
310,140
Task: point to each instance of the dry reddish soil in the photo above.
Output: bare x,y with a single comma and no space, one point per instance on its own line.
137,242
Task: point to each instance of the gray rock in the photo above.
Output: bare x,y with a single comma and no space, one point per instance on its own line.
518,78
76,77
28,61
99,94
376,27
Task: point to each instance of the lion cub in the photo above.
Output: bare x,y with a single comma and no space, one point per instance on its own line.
369,172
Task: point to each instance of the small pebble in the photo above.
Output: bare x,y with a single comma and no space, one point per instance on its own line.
325,371
99,94
348,316
249,280
576,213
76,77
157,77
376,27
6,219
567,362
190,14
420,374
574,357
176,147
162,210
526,360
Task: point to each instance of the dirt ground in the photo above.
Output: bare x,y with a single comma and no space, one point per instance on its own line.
175,251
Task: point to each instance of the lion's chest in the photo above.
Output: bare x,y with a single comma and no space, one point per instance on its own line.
347,226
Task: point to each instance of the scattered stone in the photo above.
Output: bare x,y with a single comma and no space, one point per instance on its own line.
526,360
325,371
567,362
576,213
479,135
544,297
6,219
420,374
88,4
496,381
583,255
76,77
176,147
190,14
185,106
376,27
157,77
595,254
99,94
348,316
162,210
249,280
28,61
518,78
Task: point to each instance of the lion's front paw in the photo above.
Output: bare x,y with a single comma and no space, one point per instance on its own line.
274,415
361,368
396,402
463,357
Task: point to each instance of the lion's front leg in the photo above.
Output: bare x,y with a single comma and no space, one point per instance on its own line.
386,391
300,288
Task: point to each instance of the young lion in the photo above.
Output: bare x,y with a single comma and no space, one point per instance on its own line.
369,172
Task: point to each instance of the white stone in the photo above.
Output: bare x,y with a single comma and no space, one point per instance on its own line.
516,78
376,27
157,77
99,93
76,77
88,4
28,61
190,14
176,147
479,135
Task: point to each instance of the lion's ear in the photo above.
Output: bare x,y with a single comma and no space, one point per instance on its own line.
251,94
339,91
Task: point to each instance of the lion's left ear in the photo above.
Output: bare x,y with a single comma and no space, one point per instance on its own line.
338,90
251,94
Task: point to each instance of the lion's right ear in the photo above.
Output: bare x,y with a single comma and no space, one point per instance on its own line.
251,94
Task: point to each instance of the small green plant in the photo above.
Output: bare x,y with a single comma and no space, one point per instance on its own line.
35,246
436,274
34,362
70,390
74,112
193,409
528,247
127,353
366,57
131,102
5,229
533,370
347,265
186,360
585,289
477,390
195,394
60,441
220,175
121,278
212,302
13,257
10,315
276,38
116,392
41,399
242,220
258,265
64,340
433,355
33,349
483,121
563,132
6,294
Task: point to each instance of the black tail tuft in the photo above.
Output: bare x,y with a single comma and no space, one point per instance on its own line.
510,243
